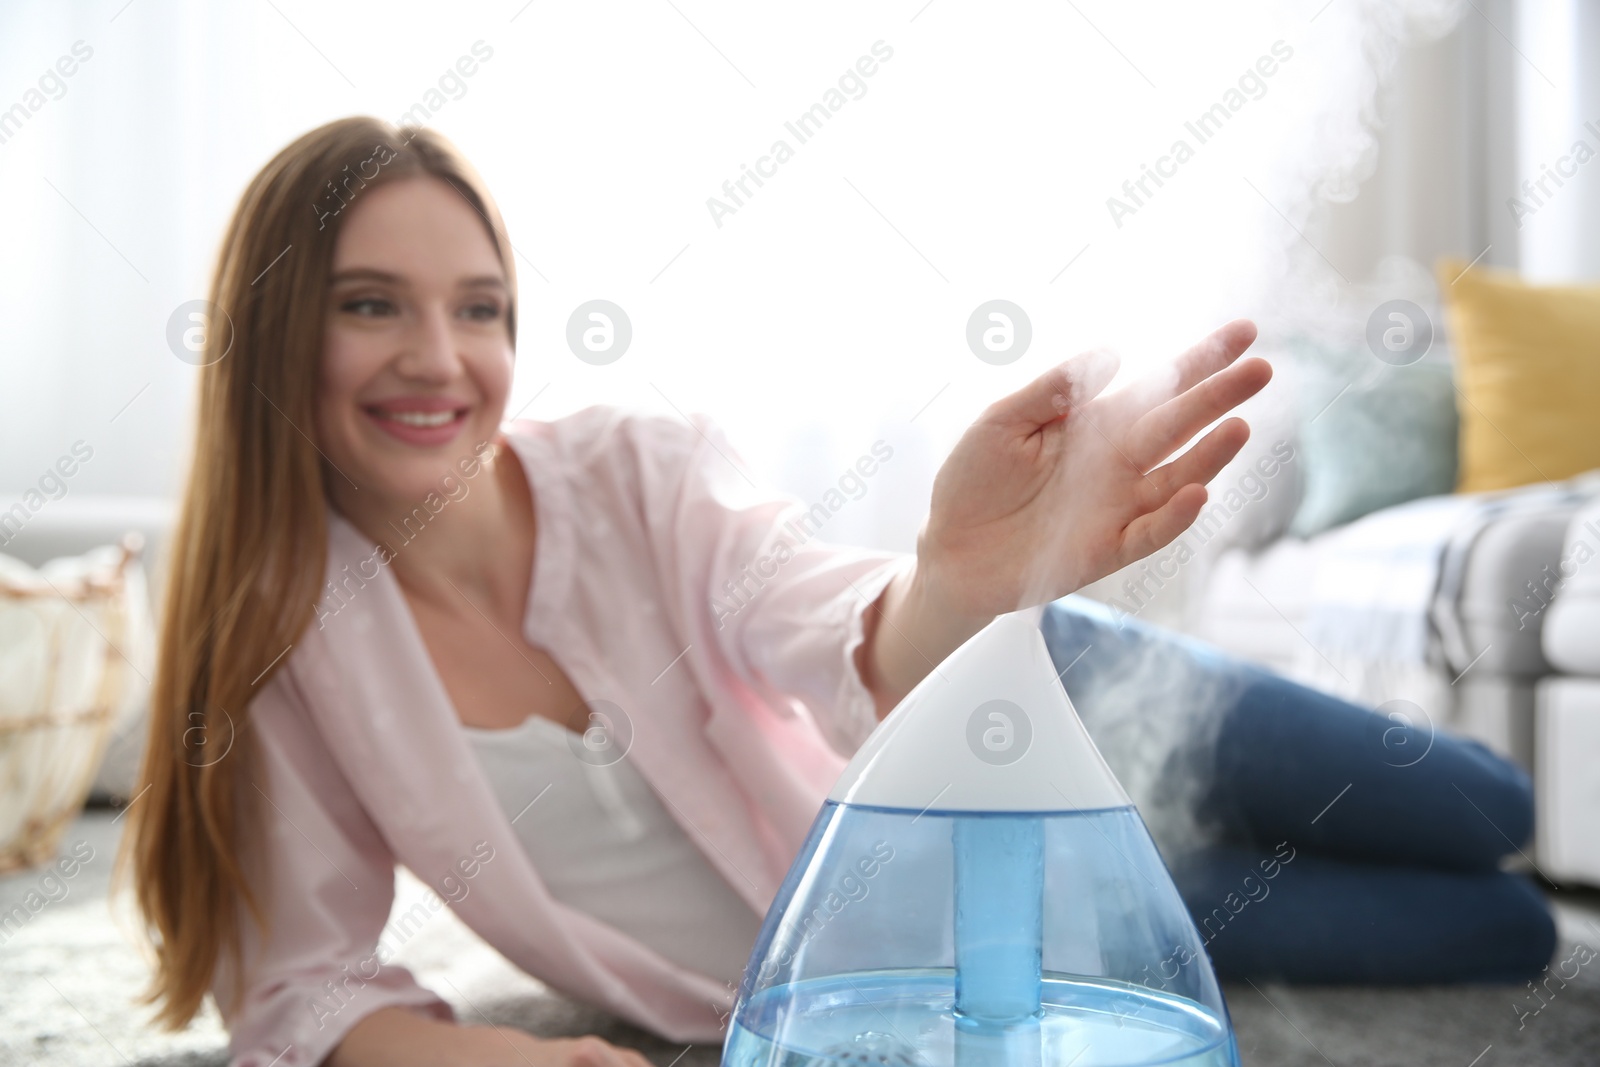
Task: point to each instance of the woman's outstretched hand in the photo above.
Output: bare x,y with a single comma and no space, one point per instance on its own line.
1058,485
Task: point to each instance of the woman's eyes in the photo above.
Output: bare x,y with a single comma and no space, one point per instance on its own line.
374,307
483,311
367,306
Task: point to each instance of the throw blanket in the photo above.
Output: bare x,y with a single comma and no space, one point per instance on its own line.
1387,588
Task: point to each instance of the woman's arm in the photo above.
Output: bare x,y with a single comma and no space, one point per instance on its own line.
906,632
397,1037
1054,487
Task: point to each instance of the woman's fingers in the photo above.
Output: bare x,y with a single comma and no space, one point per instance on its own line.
1202,462
1058,390
1080,379
1162,431
627,1057
1159,528
1224,345
1219,349
593,1051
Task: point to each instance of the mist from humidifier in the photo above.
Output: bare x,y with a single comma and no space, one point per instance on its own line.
978,891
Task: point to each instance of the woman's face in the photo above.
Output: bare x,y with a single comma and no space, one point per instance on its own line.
416,357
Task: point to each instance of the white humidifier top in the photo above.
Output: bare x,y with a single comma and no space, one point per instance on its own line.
989,730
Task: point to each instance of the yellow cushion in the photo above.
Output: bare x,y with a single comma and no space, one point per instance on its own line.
1528,369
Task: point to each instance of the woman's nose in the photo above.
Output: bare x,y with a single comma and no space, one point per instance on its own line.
430,351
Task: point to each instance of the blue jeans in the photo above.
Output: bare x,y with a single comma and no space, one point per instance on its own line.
1384,840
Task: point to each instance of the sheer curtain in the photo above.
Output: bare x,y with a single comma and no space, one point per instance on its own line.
1011,153
1467,120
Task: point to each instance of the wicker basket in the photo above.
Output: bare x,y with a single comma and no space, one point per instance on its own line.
63,680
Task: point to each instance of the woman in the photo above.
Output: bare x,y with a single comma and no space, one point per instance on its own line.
391,616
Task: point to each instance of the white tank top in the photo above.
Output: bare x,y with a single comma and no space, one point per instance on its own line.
603,842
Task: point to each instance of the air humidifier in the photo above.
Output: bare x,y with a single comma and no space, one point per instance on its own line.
978,891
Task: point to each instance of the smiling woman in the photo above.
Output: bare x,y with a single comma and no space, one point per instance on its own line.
364,369
249,545
554,631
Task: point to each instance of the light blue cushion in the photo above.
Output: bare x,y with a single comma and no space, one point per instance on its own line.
1387,439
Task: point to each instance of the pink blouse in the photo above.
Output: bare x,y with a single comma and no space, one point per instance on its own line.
705,620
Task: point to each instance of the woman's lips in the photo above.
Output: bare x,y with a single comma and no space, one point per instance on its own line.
424,424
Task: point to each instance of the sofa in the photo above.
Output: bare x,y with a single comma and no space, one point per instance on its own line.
1476,613
1566,711
1531,692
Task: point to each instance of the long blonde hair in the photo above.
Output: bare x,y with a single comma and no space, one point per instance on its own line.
246,557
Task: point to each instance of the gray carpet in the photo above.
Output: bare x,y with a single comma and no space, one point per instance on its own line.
68,977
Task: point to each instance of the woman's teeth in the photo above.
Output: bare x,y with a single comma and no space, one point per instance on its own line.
422,418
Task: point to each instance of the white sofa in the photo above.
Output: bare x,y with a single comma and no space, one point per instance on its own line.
1256,604
1567,711
1528,685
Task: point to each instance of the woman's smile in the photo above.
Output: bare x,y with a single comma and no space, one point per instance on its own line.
420,420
